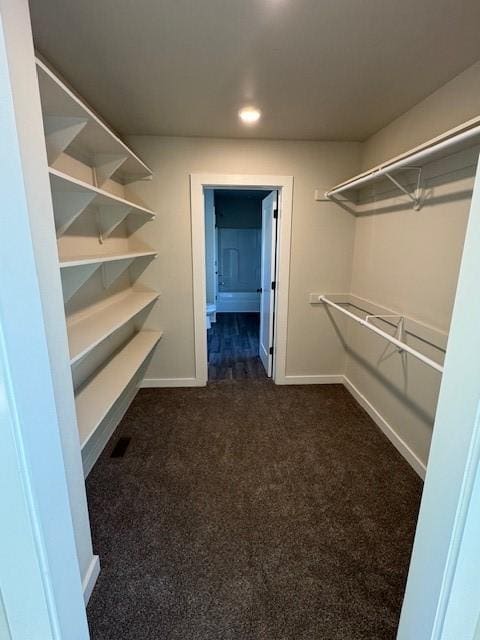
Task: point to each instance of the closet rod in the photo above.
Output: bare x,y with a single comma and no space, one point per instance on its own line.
406,161
385,335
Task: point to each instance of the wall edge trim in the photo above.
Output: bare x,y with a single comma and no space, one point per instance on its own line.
311,379
90,578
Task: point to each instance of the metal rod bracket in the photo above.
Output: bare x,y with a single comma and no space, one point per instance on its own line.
416,196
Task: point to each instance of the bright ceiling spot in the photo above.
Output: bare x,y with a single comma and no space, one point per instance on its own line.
249,115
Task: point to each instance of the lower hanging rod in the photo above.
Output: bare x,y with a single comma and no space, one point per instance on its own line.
385,335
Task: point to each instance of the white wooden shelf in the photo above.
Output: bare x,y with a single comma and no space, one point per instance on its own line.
76,270
73,128
72,196
81,260
89,330
71,125
98,395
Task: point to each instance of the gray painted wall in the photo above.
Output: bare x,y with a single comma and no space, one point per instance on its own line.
237,211
321,246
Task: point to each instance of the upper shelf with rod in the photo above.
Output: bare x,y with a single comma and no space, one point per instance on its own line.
464,136
72,126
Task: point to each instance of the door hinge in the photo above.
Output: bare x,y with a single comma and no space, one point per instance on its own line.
274,285
271,351
275,213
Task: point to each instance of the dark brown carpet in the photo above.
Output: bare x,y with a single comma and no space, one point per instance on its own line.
247,511
233,347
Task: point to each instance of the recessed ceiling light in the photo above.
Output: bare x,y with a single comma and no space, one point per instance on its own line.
249,115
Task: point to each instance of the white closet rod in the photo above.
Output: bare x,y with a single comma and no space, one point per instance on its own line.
385,335
406,161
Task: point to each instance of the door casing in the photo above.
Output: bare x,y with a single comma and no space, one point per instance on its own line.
268,271
284,186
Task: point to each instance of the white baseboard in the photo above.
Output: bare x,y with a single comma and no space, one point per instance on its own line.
326,379
401,446
90,578
171,382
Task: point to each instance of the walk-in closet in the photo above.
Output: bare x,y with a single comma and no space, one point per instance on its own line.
239,320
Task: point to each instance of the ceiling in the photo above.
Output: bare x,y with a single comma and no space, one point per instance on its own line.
318,69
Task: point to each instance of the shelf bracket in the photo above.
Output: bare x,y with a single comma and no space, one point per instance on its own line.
60,131
134,223
113,270
105,165
74,277
67,206
399,329
416,196
127,179
109,217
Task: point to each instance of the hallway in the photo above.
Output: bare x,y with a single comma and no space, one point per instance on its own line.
244,511
233,347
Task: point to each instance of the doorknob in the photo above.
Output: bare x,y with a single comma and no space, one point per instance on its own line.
259,290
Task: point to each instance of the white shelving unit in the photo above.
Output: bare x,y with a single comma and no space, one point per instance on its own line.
106,367
98,395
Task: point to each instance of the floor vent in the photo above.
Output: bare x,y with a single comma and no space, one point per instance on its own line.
120,448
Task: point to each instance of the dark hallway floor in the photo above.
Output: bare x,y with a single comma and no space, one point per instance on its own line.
248,511
233,347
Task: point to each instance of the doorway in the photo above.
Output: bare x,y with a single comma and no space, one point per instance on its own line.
241,274
240,267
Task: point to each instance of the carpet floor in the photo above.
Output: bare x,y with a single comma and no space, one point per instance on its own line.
249,511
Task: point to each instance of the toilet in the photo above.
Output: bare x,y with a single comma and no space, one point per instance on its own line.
211,314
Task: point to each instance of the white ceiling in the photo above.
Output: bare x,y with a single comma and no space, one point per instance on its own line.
318,69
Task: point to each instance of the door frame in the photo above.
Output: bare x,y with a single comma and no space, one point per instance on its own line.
284,186
271,278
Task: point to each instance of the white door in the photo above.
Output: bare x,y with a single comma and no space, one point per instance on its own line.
267,296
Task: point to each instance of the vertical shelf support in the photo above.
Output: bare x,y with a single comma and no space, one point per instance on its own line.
67,206
105,165
60,131
113,270
109,218
74,277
